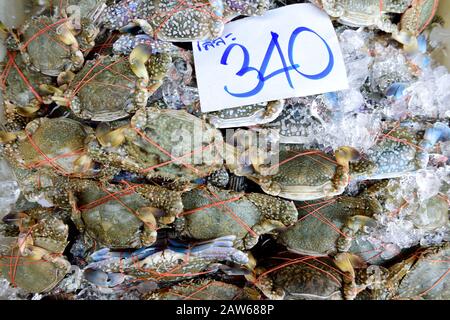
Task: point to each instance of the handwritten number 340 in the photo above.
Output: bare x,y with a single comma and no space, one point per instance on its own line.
274,45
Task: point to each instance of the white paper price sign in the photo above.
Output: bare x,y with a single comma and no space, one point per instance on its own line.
289,52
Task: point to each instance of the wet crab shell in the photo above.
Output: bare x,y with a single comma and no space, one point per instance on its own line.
50,142
44,52
308,279
170,144
21,83
427,278
31,275
106,89
321,225
168,20
204,219
303,176
110,217
207,289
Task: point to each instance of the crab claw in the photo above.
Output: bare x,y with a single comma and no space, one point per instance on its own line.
65,77
346,154
108,138
409,41
103,279
138,57
439,132
83,164
4,31
66,36
396,90
147,216
7,137
14,218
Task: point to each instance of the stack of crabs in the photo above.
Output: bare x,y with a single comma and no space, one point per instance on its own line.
129,191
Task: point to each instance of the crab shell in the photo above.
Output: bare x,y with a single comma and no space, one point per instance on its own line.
56,143
308,279
246,115
19,92
206,289
419,16
392,157
44,49
165,20
311,176
111,217
203,220
364,13
170,144
427,277
320,227
107,89
50,235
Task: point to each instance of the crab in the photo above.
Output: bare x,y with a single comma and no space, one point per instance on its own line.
48,45
178,261
296,119
167,144
205,289
414,21
365,13
37,252
298,175
247,216
399,152
306,278
424,275
126,85
56,143
168,20
250,115
120,218
426,214
21,92
126,43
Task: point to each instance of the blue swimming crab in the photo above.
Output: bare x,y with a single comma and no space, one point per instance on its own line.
247,216
177,261
22,93
124,82
401,151
305,278
33,260
294,174
205,289
54,45
56,143
423,276
122,218
327,228
172,20
167,144
250,115
360,13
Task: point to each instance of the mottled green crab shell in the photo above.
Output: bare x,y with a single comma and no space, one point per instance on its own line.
217,221
110,222
390,158
57,138
309,280
313,234
427,278
303,177
47,54
17,91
